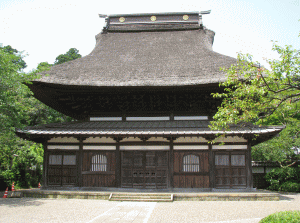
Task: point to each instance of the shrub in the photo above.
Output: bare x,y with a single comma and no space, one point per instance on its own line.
284,179
282,217
290,187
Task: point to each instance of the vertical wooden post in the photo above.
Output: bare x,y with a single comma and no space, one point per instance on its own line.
45,165
249,166
118,165
79,163
211,167
171,164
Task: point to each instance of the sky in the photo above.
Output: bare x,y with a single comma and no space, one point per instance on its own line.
44,29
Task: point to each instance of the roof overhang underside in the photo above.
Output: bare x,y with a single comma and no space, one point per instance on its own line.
167,129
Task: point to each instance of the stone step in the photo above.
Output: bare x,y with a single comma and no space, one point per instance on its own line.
141,197
142,200
137,195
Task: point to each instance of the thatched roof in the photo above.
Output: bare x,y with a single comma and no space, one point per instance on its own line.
169,53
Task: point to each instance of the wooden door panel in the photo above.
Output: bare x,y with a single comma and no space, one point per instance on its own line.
65,173
230,173
147,169
189,175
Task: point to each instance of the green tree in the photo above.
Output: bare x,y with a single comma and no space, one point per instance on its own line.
13,106
264,97
43,66
18,60
18,109
282,149
253,93
72,54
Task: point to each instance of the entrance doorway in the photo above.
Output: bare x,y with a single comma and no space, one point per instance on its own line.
230,169
144,169
62,169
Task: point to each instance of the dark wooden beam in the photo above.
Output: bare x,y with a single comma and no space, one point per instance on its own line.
79,162
211,164
171,164
118,165
249,166
45,165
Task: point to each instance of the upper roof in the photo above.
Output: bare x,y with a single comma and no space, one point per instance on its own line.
166,49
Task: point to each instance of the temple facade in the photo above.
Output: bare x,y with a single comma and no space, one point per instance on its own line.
143,105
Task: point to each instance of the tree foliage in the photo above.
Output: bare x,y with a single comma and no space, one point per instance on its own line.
264,97
18,108
44,66
283,148
72,54
253,93
18,59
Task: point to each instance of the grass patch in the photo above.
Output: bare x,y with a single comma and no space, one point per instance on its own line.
282,217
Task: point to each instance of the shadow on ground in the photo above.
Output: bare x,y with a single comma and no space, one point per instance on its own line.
286,196
14,202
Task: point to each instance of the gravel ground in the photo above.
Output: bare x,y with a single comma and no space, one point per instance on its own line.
81,210
223,211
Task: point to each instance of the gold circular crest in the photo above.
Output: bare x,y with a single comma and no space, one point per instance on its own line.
153,18
185,17
122,19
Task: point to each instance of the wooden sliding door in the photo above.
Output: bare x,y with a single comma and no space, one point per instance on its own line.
230,170
62,169
144,169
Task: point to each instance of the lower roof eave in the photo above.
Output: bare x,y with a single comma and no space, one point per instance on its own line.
40,137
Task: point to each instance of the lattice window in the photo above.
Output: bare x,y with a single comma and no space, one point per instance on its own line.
55,159
191,163
69,160
222,160
99,163
238,160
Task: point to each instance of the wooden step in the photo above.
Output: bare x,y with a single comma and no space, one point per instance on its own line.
141,197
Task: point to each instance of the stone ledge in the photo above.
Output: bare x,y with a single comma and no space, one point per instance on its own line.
177,196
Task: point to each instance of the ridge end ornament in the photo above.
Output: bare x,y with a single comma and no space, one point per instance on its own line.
153,18
185,17
121,19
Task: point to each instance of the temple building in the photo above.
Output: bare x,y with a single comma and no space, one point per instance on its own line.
143,105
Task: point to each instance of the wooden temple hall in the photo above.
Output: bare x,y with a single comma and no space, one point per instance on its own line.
143,105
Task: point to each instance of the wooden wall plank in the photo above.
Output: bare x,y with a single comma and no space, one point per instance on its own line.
206,162
176,182
176,161
189,181
113,161
206,182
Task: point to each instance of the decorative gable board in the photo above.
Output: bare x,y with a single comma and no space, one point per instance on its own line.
131,139
64,140
190,140
99,140
157,139
231,139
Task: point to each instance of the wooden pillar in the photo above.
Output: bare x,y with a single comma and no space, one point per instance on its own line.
79,163
45,165
171,164
118,165
249,166
211,167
